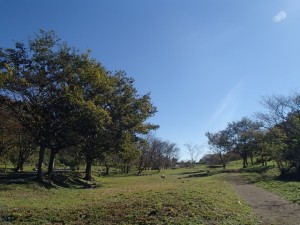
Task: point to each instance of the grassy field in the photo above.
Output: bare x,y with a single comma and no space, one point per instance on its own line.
268,180
128,200
267,177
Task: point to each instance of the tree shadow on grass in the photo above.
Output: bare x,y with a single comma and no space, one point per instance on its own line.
71,180
206,173
5,177
254,170
217,170
9,180
66,180
260,170
61,179
192,172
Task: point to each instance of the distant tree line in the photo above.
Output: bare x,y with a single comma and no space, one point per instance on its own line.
273,135
58,101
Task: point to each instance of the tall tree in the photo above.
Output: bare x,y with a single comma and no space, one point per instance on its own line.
35,84
8,129
111,115
276,145
242,137
194,151
65,98
220,145
282,119
129,112
170,154
156,154
24,149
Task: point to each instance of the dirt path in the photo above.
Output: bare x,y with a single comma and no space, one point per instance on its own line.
268,207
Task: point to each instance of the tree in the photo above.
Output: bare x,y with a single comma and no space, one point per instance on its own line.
64,98
277,108
242,138
109,159
156,154
44,85
210,159
114,115
276,144
282,120
194,151
147,148
128,155
220,145
260,143
8,128
16,144
129,112
170,155
89,94
34,86
292,132
25,148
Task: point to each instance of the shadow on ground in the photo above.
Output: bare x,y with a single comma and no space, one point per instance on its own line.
65,179
256,170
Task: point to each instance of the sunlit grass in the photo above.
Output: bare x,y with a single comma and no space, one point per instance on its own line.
128,200
270,181
267,177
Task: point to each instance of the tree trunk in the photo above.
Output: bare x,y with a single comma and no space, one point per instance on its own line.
124,168
107,169
88,169
20,166
224,166
21,162
245,163
141,165
262,160
251,158
39,175
5,166
51,162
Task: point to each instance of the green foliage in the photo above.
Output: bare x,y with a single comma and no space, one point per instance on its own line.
67,100
243,136
220,144
34,90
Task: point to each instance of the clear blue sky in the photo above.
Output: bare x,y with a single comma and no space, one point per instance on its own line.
205,62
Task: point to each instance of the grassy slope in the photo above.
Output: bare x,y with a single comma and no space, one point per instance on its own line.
267,178
290,190
128,200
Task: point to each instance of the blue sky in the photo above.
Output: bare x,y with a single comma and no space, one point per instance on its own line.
205,62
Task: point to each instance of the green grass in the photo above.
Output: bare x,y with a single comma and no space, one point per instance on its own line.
128,200
268,180
288,189
267,177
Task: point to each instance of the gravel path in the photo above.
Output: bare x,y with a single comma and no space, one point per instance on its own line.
269,208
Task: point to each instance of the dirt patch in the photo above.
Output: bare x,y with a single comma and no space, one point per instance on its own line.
269,208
